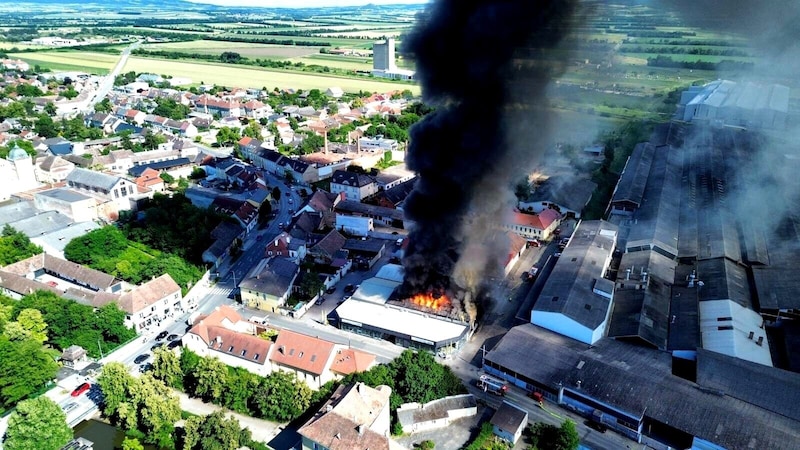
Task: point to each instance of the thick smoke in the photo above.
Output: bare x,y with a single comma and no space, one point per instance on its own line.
489,126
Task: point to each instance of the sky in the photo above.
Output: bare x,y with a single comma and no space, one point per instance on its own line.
303,3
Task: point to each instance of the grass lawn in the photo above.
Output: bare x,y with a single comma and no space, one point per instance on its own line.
243,76
339,62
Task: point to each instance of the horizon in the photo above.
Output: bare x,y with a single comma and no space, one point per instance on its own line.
305,3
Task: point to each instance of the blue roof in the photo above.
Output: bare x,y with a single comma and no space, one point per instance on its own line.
63,148
137,171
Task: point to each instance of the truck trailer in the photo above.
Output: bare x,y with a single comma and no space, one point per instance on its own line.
491,384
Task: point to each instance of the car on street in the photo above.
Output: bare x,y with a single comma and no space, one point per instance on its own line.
69,407
146,367
349,289
141,358
557,255
330,290
162,335
174,344
320,301
173,337
532,273
81,389
596,426
156,345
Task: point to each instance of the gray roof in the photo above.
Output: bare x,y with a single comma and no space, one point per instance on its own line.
273,277
723,280
630,187
436,409
638,381
657,216
22,285
93,279
42,223
354,207
346,178
571,192
568,289
56,240
398,194
64,194
767,387
369,245
16,211
91,178
777,287
509,417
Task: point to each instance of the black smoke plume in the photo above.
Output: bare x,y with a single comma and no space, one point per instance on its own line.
485,66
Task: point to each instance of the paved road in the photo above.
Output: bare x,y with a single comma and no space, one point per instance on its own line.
108,81
262,430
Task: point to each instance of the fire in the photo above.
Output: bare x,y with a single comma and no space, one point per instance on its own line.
428,300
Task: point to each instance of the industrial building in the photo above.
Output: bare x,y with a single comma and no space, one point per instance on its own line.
725,102
383,61
695,344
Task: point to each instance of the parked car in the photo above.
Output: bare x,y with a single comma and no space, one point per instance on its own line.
173,337
81,389
174,344
162,335
146,367
69,407
156,345
330,290
320,301
596,425
349,289
141,358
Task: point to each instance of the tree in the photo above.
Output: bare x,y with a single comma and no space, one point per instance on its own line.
168,179
114,381
167,367
240,388
197,173
29,326
153,140
550,437
522,189
50,109
37,424
280,397
253,130
131,443
212,375
24,369
91,248
103,106
45,127
264,212
215,432
15,246
227,136
158,409
70,93
230,57
276,193
189,361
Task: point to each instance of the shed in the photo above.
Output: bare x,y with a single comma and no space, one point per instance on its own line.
73,355
509,421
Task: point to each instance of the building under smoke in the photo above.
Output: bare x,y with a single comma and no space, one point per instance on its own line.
725,102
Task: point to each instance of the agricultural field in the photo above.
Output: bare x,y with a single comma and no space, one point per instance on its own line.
243,76
99,63
246,49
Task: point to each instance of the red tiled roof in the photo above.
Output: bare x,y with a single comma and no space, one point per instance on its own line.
539,221
349,361
148,294
302,352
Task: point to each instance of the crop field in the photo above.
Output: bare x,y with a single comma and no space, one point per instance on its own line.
70,60
246,49
242,76
333,42
367,34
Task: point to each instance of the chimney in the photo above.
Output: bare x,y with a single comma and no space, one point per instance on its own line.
325,147
360,429
760,341
750,336
628,273
578,384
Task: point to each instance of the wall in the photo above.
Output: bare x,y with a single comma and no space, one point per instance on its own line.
563,325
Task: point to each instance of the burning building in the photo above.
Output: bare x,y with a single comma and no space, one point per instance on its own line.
486,132
423,322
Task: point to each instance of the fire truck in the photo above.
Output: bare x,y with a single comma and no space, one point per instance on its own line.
491,384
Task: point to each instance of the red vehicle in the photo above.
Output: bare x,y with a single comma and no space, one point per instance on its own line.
81,389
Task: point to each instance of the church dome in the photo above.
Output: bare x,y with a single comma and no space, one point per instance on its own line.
17,153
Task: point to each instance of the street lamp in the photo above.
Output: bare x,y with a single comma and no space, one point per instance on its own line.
101,349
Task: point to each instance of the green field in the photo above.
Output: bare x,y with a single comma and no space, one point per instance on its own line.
99,63
243,76
246,49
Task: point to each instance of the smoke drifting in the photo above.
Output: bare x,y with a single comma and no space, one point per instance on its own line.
486,132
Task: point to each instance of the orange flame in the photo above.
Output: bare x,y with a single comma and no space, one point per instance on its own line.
429,301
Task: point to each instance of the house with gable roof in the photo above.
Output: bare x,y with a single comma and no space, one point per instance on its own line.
534,226
109,187
306,357
354,186
356,416
151,302
224,335
269,283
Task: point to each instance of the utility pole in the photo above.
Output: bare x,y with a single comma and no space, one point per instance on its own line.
101,348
